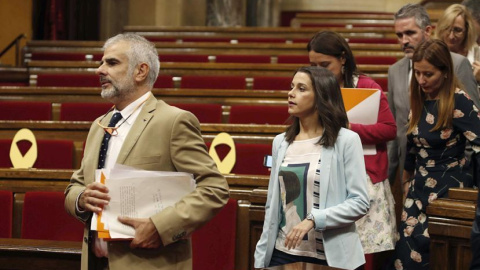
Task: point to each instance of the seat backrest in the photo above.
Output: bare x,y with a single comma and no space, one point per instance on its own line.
205,113
243,59
375,60
68,80
52,154
383,82
44,217
258,114
250,158
190,58
26,110
271,83
6,213
213,245
164,81
213,82
294,59
81,111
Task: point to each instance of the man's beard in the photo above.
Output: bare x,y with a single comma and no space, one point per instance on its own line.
117,90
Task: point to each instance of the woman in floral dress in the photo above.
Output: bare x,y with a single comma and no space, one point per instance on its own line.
442,118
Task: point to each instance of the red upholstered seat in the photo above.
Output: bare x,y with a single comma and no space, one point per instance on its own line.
44,217
58,56
6,213
243,59
301,40
271,83
250,158
261,40
213,245
163,81
371,40
294,59
68,80
183,58
205,113
52,154
258,114
25,110
161,39
206,39
376,60
213,82
82,111
383,82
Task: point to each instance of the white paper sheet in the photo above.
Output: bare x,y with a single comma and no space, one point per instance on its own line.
366,113
141,194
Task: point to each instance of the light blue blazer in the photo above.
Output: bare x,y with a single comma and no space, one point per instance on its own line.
343,200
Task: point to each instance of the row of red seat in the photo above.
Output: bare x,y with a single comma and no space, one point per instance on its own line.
186,81
44,218
81,111
198,58
59,154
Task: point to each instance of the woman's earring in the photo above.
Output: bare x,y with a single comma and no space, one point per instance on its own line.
445,76
343,70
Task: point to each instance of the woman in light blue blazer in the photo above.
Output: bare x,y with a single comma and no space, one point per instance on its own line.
328,160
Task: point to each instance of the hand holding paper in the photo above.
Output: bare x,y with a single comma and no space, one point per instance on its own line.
146,235
94,197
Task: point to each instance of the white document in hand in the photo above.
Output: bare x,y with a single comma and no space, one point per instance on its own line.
141,194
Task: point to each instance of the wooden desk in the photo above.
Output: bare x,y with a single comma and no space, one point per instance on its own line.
32,254
450,225
302,266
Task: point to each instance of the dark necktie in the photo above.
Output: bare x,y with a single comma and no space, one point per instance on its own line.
104,147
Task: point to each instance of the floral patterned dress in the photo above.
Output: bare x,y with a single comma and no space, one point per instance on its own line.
438,158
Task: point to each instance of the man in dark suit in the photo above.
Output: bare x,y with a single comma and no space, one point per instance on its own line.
412,27
150,135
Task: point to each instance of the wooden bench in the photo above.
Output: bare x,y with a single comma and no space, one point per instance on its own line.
450,225
214,48
180,69
270,32
42,252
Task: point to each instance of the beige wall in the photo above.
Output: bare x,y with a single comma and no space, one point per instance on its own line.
167,12
193,12
15,19
366,5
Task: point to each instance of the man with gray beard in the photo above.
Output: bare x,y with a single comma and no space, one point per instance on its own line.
145,133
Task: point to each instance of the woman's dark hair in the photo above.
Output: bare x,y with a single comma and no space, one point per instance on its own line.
292,185
328,104
435,52
333,44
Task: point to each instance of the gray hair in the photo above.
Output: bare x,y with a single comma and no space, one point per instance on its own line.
474,7
414,10
141,51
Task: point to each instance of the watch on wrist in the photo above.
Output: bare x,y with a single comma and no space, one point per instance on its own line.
310,217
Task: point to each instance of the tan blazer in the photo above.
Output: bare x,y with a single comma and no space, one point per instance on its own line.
163,138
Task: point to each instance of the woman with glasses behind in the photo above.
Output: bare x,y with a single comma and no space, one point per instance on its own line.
456,28
377,229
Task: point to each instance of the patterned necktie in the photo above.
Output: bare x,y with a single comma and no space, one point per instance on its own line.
103,149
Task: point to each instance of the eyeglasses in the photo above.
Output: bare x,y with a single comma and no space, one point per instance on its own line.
457,31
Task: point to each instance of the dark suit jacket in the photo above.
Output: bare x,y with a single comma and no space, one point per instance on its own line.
163,138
